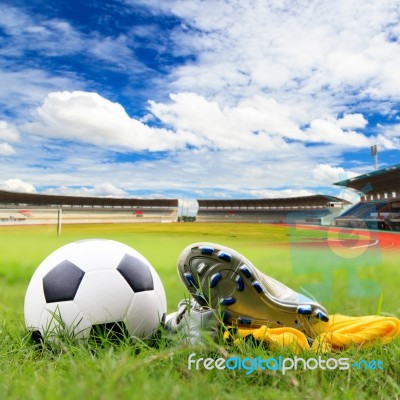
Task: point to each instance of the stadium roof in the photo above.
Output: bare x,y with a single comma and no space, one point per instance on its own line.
383,180
317,200
32,199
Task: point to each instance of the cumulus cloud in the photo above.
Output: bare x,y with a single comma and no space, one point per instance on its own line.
17,185
89,117
352,121
303,60
330,130
324,173
239,146
256,124
261,108
25,89
259,123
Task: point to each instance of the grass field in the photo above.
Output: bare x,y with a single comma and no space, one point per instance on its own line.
360,281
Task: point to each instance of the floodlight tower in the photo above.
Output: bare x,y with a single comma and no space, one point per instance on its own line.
374,153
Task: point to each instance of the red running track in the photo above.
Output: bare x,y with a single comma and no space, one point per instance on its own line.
383,240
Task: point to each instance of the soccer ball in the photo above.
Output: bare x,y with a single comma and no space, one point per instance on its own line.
94,284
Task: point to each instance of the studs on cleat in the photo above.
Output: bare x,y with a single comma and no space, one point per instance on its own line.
201,299
189,279
246,271
227,301
304,310
224,256
206,250
221,279
322,316
239,283
257,286
226,316
215,279
201,267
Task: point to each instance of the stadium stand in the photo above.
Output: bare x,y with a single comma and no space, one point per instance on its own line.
379,206
30,208
316,209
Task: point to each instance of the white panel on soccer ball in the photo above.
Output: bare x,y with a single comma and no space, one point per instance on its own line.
52,260
97,254
104,296
144,314
159,289
64,318
34,303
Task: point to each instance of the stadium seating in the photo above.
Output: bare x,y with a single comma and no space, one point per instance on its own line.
277,216
378,214
31,208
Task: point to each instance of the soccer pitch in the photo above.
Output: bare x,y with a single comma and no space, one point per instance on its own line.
349,273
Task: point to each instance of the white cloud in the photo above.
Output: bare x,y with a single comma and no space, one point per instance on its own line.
257,146
17,185
352,121
324,173
37,34
6,149
45,35
90,118
336,46
265,80
26,82
386,143
8,132
285,193
329,130
258,123
115,51
22,90
100,190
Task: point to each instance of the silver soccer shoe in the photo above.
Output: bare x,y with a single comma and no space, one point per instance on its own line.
220,278
193,324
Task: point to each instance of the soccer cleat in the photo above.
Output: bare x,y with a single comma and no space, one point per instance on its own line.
222,279
193,324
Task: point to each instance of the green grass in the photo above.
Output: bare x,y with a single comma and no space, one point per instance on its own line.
361,285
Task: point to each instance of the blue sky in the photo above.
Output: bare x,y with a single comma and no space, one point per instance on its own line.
196,99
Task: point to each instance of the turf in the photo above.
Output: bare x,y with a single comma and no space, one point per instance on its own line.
362,283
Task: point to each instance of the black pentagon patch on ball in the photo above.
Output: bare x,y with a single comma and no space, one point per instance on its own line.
109,332
136,273
62,282
36,337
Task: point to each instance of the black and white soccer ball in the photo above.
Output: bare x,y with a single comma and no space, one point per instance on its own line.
94,284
